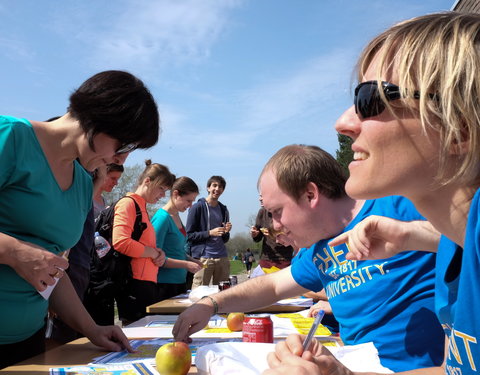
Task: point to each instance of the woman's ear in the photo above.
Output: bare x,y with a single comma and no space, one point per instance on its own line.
459,148
462,145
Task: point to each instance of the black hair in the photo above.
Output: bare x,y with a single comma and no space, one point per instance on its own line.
218,179
119,105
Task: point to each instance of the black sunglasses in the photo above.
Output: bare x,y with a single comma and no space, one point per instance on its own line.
368,102
127,147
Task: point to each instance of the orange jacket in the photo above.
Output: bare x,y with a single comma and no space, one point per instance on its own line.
143,268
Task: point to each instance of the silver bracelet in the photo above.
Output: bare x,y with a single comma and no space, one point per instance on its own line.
214,303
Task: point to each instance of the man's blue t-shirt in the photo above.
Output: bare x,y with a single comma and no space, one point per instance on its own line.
457,299
389,302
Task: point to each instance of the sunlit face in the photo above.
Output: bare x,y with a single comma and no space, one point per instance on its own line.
215,190
155,192
183,202
294,219
111,180
392,156
105,152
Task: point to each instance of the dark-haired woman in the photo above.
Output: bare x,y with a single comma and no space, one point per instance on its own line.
45,195
171,238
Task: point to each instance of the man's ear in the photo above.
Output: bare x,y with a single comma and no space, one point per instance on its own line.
312,194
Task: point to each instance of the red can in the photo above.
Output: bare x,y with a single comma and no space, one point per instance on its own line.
222,285
257,329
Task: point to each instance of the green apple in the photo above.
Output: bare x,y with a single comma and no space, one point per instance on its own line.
173,358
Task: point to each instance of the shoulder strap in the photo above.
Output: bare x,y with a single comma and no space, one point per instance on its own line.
138,226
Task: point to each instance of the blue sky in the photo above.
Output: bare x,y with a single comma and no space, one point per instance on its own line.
235,80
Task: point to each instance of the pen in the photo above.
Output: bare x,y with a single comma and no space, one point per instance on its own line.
313,329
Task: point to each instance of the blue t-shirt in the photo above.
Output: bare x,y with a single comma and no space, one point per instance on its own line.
33,208
389,302
458,296
172,242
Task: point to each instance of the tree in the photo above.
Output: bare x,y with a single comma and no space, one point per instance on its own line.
128,183
239,243
344,153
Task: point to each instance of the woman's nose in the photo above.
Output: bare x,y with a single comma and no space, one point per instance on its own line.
120,158
348,123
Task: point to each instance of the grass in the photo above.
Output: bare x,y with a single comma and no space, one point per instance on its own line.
236,267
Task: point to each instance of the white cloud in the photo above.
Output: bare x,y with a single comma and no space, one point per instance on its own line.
159,33
309,89
15,49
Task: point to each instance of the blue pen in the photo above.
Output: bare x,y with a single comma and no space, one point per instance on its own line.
313,329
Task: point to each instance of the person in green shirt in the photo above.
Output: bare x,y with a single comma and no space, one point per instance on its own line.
45,196
172,237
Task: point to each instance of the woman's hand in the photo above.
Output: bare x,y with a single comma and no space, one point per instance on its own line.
36,265
194,266
110,338
378,237
157,255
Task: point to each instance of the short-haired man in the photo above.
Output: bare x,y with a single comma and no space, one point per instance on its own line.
208,229
389,302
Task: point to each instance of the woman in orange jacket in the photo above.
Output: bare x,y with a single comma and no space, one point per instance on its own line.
154,181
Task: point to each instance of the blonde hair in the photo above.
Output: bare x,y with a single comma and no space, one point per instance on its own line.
158,174
437,55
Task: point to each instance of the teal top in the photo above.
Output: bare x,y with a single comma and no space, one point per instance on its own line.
172,241
33,208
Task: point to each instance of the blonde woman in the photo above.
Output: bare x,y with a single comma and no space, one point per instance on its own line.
154,181
172,238
415,130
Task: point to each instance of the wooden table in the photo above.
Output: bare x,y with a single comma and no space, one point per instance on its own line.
175,306
78,352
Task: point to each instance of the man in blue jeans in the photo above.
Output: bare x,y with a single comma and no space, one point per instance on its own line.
208,229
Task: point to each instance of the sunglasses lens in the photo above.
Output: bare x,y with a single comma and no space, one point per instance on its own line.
367,100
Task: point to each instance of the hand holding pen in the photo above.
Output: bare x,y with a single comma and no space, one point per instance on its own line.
298,351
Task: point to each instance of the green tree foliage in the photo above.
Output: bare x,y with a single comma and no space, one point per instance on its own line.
344,153
240,242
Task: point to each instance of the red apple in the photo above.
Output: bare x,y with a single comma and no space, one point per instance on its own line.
235,321
173,358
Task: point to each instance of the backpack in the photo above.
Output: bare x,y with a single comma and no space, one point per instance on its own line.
113,272
251,259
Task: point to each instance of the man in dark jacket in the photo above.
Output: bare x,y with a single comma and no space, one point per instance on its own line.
208,229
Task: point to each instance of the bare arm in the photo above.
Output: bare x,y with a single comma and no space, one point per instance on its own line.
378,237
192,265
66,304
246,296
32,262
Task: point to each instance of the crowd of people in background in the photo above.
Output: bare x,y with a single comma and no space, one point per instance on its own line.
393,247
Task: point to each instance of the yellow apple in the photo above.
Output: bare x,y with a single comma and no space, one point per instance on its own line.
235,321
173,358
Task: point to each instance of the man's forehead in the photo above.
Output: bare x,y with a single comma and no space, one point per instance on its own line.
269,190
